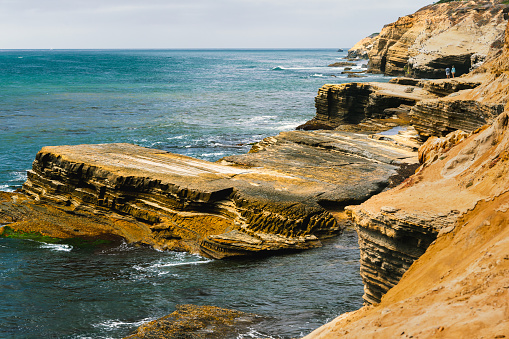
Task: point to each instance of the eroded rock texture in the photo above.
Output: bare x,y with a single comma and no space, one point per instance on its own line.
352,103
440,117
458,287
423,44
271,199
198,322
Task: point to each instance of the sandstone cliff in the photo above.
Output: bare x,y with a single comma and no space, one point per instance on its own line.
460,196
458,288
362,48
355,103
423,44
479,98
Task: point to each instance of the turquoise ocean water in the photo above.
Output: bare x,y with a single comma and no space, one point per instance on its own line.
202,103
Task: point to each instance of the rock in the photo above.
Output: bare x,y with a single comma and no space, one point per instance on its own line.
342,64
356,76
271,199
444,87
423,44
440,117
183,203
458,287
352,103
361,49
406,81
198,322
460,196
391,241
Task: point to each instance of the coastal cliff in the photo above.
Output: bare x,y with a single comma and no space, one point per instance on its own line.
355,103
423,44
458,287
457,202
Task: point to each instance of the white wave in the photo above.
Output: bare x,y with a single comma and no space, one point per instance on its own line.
287,125
6,188
255,119
160,266
178,137
113,324
317,75
19,176
164,266
216,154
57,247
253,334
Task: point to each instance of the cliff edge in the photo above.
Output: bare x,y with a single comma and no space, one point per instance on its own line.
460,198
424,44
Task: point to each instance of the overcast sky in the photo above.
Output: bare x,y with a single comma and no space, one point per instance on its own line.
32,24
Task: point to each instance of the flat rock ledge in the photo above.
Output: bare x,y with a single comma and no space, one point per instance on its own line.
275,198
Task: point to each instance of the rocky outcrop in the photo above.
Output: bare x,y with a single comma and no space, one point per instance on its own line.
271,199
361,49
460,195
440,117
423,44
458,287
468,108
198,322
352,103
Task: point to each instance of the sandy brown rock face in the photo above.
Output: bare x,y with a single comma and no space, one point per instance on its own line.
186,203
442,116
271,199
352,103
458,287
467,109
362,48
423,44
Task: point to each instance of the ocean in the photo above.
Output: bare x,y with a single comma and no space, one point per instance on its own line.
203,103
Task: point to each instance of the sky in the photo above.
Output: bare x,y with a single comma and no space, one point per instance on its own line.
99,24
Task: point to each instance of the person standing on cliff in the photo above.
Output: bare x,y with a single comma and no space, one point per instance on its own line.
453,70
447,72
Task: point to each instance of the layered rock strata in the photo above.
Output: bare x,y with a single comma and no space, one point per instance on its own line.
467,109
362,48
352,103
423,44
440,117
271,199
458,287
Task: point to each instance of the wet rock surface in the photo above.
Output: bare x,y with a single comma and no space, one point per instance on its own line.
198,322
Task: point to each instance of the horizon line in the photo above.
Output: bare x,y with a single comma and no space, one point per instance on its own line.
174,49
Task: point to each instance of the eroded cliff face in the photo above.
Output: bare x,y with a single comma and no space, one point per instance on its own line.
353,103
458,287
423,44
479,99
